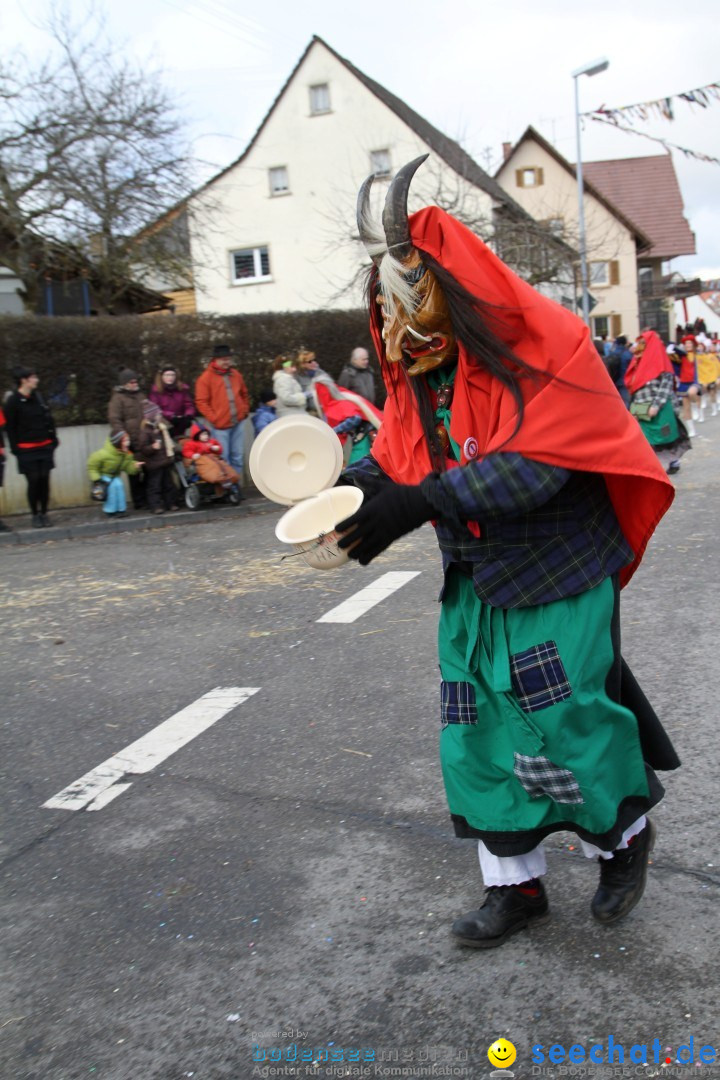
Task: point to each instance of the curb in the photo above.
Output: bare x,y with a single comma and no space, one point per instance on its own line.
89,529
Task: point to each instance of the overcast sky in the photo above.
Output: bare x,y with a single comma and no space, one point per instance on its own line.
480,70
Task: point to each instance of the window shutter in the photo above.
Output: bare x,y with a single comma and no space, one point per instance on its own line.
519,180
614,272
616,325
539,177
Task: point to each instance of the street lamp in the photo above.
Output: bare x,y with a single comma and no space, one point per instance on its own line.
593,68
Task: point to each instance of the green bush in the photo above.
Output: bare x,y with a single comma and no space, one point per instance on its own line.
78,359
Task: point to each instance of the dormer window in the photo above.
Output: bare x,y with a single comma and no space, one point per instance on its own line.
279,182
319,99
380,162
529,177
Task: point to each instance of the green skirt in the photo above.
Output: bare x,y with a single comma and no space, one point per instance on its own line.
663,429
531,743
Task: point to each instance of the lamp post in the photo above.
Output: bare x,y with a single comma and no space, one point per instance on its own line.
593,68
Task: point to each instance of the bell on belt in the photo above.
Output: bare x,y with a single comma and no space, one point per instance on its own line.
443,438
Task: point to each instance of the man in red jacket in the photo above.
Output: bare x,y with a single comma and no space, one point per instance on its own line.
222,398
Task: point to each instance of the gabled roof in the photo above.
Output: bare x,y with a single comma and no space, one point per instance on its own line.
647,190
530,134
450,151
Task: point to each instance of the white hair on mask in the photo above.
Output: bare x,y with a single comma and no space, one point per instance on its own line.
395,289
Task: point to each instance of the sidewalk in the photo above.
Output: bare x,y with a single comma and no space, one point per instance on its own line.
78,522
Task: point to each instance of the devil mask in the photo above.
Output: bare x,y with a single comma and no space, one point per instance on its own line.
416,320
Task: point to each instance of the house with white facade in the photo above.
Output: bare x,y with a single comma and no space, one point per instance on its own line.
275,230
537,176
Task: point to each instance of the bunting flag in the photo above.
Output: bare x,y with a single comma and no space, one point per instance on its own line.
653,138
704,96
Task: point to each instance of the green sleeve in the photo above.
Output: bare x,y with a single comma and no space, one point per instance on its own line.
94,465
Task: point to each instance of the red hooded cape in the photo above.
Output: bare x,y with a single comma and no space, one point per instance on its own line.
653,361
584,426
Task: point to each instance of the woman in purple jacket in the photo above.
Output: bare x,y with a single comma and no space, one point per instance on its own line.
174,400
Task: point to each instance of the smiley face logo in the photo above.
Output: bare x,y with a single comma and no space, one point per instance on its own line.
502,1054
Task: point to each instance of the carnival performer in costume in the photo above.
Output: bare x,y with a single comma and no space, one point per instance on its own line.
688,386
503,426
650,380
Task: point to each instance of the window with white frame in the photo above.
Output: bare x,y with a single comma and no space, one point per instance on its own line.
380,162
600,326
599,273
319,99
279,182
250,264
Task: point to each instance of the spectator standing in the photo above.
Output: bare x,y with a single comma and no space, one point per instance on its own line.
222,398
174,400
290,398
31,433
107,464
620,357
265,412
357,376
158,457
3,526
125,413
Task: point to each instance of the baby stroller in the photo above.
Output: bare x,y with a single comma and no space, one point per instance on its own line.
196,491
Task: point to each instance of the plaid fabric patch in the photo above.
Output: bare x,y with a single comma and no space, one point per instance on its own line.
538,677
539,777
457,703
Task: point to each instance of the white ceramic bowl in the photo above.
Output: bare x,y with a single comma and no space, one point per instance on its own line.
310,526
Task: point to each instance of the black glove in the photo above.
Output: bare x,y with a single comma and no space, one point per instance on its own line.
394,511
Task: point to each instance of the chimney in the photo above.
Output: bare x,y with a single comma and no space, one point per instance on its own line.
507,150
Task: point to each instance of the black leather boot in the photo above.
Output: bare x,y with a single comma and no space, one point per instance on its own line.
622,878
505,911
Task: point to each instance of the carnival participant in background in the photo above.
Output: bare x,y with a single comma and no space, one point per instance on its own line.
708,373
354,420
688,386
502,425
650,381
31,433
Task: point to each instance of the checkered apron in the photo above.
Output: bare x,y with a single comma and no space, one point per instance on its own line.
529,737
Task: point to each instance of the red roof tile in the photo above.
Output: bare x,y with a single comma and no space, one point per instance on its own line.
646,189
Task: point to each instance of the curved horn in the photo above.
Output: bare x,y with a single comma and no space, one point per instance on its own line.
395,218
363,215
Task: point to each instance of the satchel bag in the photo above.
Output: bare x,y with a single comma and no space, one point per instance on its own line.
99,490
641,409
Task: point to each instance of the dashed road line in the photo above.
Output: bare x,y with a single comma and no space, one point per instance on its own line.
355,606
100,786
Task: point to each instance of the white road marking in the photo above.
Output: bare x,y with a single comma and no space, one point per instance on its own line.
98,787
355,606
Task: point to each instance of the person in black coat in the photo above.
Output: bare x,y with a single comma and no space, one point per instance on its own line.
3,526
31,433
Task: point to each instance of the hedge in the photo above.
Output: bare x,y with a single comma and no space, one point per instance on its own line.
78,359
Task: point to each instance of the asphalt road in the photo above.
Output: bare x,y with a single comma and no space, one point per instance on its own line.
287,878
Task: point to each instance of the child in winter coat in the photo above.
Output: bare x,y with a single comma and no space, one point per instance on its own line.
265,412
158,456
107,464
204,452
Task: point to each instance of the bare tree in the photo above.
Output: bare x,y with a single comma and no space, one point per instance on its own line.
91,149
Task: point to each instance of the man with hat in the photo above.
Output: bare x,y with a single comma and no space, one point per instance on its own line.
222,398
